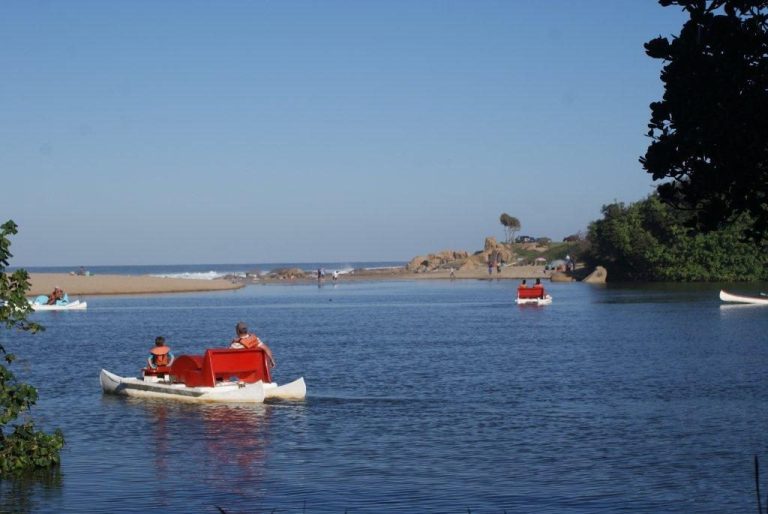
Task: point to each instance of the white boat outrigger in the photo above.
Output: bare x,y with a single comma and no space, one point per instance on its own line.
221,375
755,300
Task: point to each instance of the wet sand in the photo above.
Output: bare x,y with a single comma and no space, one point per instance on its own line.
43,283
507,273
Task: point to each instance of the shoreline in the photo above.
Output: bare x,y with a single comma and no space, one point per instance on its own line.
374,275
43,283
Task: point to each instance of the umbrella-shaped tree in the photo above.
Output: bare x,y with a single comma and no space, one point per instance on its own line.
511,226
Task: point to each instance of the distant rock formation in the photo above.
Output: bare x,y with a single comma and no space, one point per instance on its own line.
494,249
598,276
441,260
287,273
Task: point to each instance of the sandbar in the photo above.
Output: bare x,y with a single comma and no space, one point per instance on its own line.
400,273
43,283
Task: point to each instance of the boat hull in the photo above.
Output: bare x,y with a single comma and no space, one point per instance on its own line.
230,392
77,305
534,301
728,297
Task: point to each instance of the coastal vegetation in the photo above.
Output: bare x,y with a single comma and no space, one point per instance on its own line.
650,240
23,448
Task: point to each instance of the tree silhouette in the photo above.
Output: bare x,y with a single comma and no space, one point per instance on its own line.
710,131
511,226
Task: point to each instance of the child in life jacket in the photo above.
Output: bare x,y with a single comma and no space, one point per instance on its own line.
246,340
160,355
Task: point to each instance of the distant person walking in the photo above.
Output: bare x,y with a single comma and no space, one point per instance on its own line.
335,275
490,264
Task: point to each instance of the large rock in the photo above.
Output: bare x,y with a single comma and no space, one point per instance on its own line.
433,261
287,273
560,276
598,276
494,249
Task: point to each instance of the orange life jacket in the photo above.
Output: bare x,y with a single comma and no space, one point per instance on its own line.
160,355
248,341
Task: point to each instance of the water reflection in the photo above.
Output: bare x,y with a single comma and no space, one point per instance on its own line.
28,493
239,436
229,444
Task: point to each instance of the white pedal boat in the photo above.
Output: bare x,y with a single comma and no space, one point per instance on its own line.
220,375
77,305
40,303
235,392
532,295
534,301
755,300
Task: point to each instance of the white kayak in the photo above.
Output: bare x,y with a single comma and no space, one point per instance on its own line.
534,301
756,300
77,305
235,392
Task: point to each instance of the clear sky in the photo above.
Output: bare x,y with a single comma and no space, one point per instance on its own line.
162,132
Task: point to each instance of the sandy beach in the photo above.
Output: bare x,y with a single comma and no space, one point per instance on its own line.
43,283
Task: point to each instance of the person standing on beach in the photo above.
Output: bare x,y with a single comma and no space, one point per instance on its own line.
490,264
245,340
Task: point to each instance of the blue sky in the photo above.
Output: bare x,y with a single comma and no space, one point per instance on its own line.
151,132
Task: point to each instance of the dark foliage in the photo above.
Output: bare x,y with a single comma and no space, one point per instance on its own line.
710,131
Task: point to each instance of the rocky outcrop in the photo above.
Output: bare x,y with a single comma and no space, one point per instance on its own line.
494,250
441,260
561,276
287,273
598,276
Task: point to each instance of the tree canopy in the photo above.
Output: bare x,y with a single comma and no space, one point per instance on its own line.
511,225
22,447
710,131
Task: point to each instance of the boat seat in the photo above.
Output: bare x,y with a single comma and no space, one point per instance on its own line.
530,292
159,371
221,365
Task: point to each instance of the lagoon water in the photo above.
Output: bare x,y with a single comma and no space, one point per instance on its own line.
422,397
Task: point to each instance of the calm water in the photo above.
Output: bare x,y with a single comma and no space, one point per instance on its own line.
423,397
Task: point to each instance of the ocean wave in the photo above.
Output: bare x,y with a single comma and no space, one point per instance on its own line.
207,275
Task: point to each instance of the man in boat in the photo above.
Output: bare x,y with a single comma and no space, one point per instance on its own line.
55,296
538,285
160,354
244,340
